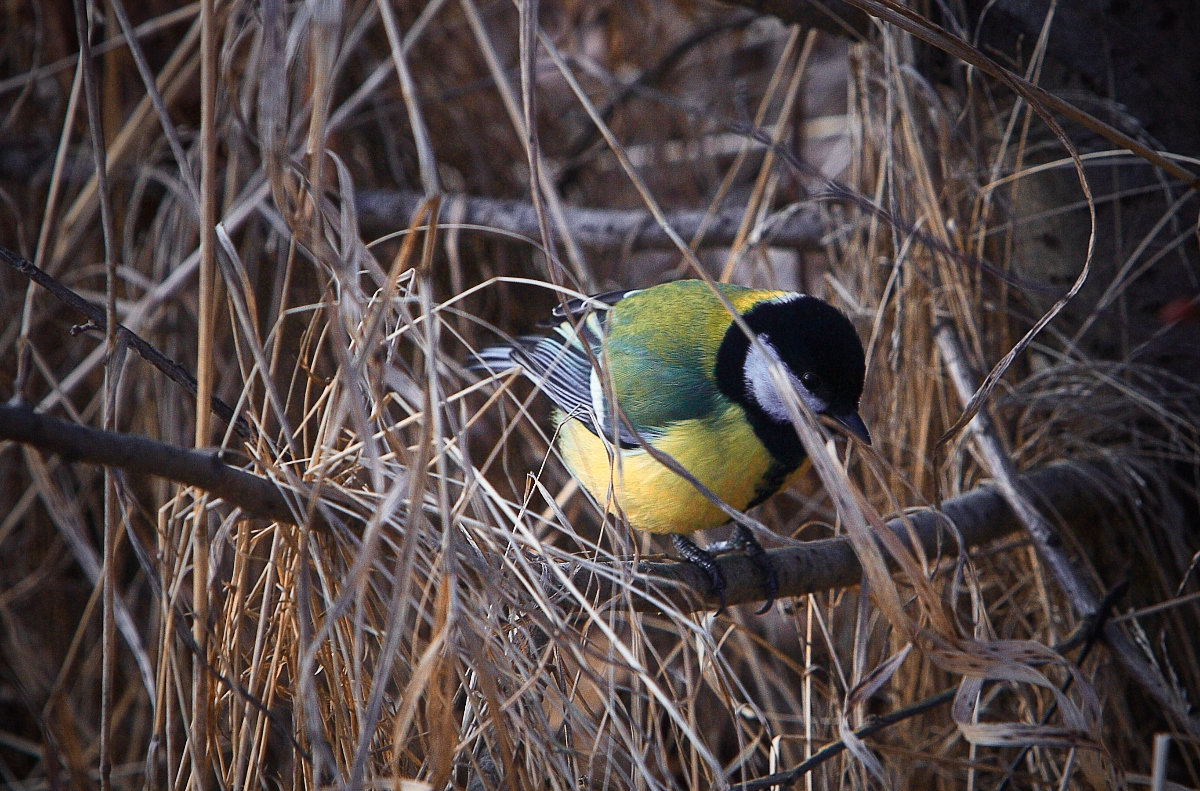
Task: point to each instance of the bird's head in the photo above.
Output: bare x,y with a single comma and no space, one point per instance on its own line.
820,351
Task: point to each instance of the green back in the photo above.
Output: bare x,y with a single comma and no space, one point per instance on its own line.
661,347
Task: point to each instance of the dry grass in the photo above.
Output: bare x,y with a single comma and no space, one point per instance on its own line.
415,640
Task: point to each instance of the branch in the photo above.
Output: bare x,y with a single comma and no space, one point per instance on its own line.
254,494
981,516
1078,491
95,314
611,228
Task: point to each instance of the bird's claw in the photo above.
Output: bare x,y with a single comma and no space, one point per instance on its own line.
743,540
693,554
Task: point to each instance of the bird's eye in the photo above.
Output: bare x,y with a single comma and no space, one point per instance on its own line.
811,382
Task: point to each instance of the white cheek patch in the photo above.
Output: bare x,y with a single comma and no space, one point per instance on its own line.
761,388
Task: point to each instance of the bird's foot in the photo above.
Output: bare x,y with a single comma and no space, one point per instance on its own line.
688,550
744,540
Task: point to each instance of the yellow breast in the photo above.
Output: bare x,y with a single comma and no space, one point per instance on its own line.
722,452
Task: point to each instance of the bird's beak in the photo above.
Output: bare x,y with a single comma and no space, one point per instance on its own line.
855,425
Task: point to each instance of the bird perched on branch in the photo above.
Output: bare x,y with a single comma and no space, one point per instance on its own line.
677,377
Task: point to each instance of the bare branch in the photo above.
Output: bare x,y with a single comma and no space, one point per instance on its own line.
803,228
1076,489
256,495
95,314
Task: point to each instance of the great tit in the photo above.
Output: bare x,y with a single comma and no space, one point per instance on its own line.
688,382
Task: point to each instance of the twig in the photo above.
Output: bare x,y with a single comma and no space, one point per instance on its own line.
609,228
829,751
199,741
1088,634
95,315
650,76
112,374
996,461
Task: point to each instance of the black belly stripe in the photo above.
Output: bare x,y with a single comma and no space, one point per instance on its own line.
772,479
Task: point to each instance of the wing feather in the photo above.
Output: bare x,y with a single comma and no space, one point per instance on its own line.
558,363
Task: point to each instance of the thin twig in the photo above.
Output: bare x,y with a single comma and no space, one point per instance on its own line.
112,374
829,751
652,75
1088,634
95,314
202,774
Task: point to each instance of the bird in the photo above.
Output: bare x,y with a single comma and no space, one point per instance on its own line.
666,371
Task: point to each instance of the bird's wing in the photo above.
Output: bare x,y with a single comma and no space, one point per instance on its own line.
661,367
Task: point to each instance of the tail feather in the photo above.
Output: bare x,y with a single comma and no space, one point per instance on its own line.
494,359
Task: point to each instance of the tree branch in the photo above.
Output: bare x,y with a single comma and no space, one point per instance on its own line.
144,456
1076,489
610,228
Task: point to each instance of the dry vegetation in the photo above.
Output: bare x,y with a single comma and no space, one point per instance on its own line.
417,618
